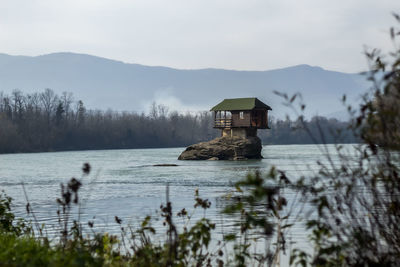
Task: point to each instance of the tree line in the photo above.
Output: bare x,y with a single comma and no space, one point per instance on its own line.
46,121
317,130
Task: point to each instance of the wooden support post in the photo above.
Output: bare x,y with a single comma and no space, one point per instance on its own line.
225,118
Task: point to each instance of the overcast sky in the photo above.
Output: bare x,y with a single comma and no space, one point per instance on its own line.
187,34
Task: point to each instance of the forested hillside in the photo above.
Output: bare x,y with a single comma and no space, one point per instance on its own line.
45,121
132,87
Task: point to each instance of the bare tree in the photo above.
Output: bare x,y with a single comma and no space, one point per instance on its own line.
49,102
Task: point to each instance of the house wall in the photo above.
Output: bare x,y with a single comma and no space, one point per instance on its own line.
255,118
226,132
259,119
240,132
238,122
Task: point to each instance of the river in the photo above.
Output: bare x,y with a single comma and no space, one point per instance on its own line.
125,183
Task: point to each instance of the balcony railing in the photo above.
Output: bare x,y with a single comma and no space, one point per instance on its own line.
223,123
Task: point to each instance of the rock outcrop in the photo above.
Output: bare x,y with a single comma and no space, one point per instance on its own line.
224,148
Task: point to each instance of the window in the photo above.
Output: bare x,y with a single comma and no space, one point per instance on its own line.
241,115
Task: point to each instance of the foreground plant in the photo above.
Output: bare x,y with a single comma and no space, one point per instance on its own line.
264,214
357,200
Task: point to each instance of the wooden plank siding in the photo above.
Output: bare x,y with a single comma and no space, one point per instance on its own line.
238,122
257,118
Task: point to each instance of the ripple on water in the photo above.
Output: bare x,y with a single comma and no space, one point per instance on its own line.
125,183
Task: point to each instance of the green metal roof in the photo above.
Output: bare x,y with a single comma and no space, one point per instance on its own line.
240,104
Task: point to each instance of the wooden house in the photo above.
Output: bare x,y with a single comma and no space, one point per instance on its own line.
241,116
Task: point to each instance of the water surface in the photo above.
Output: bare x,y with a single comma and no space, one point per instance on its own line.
125,183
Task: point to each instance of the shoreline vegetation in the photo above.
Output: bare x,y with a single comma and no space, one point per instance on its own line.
47,122
354,201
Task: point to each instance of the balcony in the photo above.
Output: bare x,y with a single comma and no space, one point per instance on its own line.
223,123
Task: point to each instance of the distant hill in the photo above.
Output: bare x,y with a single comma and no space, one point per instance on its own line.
103,83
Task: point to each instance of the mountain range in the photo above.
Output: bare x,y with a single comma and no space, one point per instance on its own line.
104,83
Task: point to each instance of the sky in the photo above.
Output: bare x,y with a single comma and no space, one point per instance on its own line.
192,34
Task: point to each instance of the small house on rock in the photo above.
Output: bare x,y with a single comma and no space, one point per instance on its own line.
241,116
238,119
